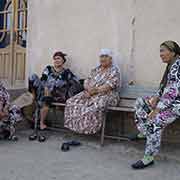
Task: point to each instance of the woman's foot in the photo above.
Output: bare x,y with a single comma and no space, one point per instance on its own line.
143,163
43,126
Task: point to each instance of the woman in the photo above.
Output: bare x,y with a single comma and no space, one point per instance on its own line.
9,115
84,112
154,113
57,84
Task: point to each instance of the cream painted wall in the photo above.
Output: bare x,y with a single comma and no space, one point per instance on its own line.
156,21
133,29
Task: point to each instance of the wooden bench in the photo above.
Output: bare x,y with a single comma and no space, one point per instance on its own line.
128,95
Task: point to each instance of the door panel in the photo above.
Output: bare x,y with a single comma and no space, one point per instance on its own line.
13,35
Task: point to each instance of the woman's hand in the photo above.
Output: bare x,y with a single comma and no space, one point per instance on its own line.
86,94
153,101
93,91
90,92
153,113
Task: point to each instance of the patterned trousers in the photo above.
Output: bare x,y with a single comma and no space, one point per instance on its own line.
9,123
152,128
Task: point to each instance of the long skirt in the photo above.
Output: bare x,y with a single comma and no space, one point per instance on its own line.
152,128
85,115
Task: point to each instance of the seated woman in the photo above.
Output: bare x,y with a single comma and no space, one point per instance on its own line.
84,112
154,113
9,115
57,84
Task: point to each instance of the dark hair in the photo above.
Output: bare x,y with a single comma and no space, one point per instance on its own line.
60,54
172,46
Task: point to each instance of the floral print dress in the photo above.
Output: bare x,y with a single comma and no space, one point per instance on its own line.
85,115
169,105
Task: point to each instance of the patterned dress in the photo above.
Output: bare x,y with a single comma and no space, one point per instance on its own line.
14,112
169,105
61,85
85,115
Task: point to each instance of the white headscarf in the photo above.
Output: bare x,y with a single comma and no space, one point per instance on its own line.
106,52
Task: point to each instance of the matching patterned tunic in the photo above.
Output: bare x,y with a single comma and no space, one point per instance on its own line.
85,115
169,105
61,85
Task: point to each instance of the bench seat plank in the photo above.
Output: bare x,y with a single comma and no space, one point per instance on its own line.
125,109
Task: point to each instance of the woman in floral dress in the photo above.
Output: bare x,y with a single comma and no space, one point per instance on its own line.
84,113
56,84
154,113
9,115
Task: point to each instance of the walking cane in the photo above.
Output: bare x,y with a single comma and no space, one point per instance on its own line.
36,134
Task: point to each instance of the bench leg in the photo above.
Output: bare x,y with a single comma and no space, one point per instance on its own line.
55,113
123,123
103,130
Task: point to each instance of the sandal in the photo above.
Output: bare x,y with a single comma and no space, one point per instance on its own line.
42,138
33,137
74,143
65,147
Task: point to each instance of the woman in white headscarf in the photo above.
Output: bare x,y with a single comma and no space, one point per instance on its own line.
84,112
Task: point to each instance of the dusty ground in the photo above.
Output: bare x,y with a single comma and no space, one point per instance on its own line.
24,160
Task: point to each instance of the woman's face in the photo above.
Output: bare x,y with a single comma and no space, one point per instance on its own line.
166,55
58,61
105,60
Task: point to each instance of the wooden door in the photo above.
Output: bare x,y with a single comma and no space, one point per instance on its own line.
13,35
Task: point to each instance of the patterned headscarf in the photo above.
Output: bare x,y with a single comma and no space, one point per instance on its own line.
173,47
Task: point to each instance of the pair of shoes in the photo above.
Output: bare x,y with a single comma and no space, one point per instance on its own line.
66,146
13,138
140,165
6,135
34,136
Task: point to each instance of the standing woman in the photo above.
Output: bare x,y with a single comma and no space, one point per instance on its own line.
154,113
84,112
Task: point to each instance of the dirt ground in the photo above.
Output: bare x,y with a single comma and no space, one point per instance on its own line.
25,160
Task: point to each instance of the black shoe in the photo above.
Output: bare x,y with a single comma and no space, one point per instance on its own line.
140,165
42,138
33,137
74,143
65,147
